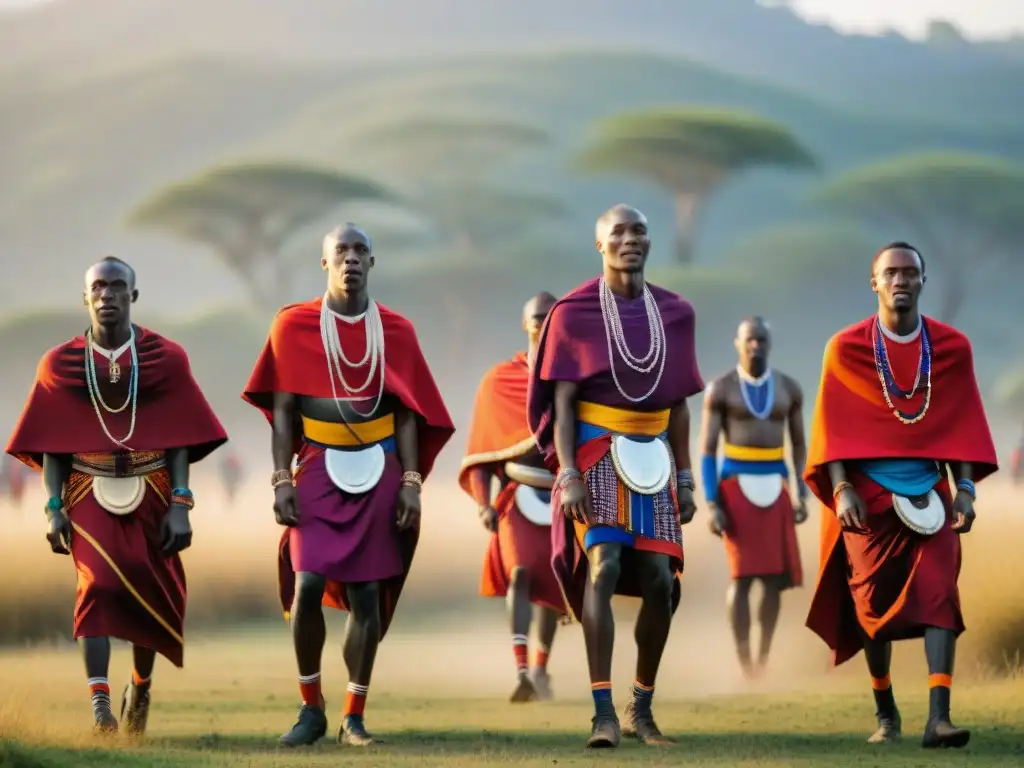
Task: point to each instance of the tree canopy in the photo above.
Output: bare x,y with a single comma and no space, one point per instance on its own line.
964,211
689,152
246,212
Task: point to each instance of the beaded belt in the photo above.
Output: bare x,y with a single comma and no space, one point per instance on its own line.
132,464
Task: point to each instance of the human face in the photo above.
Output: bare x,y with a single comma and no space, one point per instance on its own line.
534,314
624,240
898,279
109,293
348,261
753,344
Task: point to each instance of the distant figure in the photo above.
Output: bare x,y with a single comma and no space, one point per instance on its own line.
607,403
98,422
748,499
231,474
14,478
898,410
518,561
344,384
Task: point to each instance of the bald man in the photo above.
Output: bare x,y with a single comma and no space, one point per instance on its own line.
615,364
747,495
345,387
114,422
518,561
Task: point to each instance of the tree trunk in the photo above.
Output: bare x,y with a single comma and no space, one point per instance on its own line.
686,206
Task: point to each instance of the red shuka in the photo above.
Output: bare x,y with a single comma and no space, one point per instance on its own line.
294,360
499,432
852,421
126,587
58,417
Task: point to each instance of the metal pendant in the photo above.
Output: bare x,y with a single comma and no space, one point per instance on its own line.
115,371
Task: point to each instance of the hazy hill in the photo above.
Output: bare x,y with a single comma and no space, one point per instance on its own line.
890,73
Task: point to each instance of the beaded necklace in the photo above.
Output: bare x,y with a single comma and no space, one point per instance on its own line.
754,388
888,381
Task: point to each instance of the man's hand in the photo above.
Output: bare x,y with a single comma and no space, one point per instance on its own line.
176,530
687,506
963,512
408,507
489,517
850,510
800,512
576,500
286,508
59,533
718,523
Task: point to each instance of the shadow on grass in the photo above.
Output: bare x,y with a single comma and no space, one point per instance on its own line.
739,745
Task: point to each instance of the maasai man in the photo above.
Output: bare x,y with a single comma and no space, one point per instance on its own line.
607,405
114,420
898,406
345,386
518,560
747,498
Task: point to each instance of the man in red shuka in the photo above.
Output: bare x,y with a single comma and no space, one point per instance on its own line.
345,386
518,561
898,408
117,478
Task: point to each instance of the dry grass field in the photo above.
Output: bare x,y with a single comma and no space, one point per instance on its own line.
443,674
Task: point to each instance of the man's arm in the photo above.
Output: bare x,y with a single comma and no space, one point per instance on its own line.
679,435
962,472
711,429
282,442
565,425
797,438
178,468
56,471
480,482
407,440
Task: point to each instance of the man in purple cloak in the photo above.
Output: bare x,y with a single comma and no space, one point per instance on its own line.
614,427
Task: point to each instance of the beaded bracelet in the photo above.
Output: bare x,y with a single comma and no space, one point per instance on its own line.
840,487
684,479
54,504
565,476
968,487
183,496
412,480
281,477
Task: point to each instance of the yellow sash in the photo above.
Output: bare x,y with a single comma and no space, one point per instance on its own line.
749,453
621,420
337,435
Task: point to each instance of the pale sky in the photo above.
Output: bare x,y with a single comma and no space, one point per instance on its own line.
976,18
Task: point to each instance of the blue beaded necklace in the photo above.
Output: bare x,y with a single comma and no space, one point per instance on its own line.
888,381
758,393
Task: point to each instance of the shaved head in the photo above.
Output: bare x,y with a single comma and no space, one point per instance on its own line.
535,313
108,262
616,214
347,233
539,305
753,344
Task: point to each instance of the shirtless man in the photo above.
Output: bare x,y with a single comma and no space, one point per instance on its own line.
366,434
747,498
518,562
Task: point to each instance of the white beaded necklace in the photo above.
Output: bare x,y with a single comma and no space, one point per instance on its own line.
374,355
92,384
656,353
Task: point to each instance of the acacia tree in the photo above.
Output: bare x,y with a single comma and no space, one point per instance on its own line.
965,212
247,212
689,152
